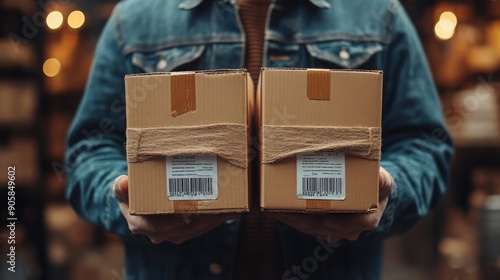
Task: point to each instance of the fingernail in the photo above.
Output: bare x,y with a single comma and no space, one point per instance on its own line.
119,183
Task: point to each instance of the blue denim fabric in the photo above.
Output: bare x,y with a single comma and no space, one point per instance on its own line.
174,35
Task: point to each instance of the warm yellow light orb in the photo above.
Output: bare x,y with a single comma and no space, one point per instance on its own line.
76,19
444,29
51,67
54,20
449,16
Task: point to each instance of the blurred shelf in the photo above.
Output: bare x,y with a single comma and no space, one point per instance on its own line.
18,102
23,7
21,153
17,56
473,116
21,89
479,141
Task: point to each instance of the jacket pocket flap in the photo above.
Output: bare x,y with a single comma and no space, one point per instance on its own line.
344,53
166,60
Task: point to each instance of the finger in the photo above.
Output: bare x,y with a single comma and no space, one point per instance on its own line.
337,226
189,217
142,224
165,224
219,217
334,237
301,222
185,232
385,183
194,220
194,233
346,223
175,237
298,217
341,223
321,225
120,188
315,225
352,236
331,237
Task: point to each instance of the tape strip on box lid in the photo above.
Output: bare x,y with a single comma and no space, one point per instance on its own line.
318,84
182,94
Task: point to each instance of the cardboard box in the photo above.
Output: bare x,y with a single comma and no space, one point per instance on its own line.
198,122
305,110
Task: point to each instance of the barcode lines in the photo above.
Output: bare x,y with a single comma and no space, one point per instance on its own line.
312,187
180,187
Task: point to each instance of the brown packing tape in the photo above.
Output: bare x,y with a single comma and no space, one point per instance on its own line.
318,205
318,84
284,141
183,94
185,206
225,140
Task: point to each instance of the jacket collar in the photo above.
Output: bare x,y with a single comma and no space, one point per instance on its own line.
190,4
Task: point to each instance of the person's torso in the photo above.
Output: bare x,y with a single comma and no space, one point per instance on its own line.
162,36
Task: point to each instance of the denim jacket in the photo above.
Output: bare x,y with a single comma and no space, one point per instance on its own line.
174,35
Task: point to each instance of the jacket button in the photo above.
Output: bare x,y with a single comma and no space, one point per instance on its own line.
162,64
215,268
344,54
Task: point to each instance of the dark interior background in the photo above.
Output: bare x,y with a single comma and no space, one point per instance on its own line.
42,75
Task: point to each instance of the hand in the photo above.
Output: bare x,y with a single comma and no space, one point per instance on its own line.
333,227
159,228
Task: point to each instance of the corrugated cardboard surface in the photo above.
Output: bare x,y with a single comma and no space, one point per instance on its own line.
355,100
220,97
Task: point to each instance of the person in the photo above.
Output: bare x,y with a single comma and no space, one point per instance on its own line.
181,35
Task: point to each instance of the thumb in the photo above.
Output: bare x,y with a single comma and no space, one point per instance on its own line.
120,188
385,183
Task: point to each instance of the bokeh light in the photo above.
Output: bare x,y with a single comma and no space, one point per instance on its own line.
445,27
51,67
76,19
449,16
54,20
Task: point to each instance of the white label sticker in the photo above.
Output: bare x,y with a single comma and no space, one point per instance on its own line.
192,177
321,176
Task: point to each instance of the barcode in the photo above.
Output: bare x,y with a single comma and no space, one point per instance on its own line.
180,187
314,187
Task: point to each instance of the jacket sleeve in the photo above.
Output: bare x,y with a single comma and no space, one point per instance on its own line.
95,153
416,147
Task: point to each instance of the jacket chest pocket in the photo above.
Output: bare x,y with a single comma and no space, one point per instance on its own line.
170,59
344,54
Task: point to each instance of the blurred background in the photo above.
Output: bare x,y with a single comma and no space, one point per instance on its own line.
46,48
